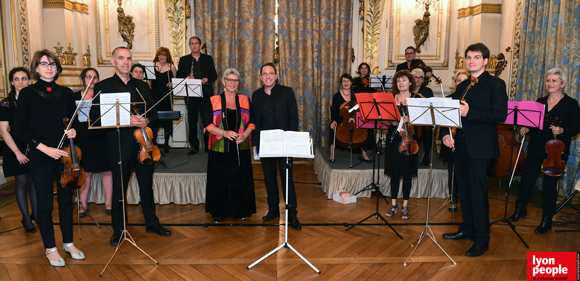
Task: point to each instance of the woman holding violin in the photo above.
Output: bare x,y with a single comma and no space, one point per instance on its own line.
15,160
39,123
401,159
344,95
361,83
566,109
92,144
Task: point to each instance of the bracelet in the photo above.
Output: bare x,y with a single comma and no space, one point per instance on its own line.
224,134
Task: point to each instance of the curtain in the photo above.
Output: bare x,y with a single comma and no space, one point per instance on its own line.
239,34
549,39
315,40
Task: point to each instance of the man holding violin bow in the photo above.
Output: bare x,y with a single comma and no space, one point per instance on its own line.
122,81
483,106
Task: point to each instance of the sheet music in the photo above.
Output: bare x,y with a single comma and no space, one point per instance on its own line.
84,110
277,143
149,70
109,117
376,81
446,111
190,87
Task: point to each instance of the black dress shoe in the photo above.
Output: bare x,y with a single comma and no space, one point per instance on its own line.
457,236
452,209
271,215
365,160
477,250
159,229
166,149
545,226
82,214
217,220
29,230
115,238
520,213
296,224
108,211
191,152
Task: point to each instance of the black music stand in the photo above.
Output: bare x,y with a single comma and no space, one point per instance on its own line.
534,119
568,199
377,107
187,95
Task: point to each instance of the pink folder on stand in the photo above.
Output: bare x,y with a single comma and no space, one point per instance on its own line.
527,113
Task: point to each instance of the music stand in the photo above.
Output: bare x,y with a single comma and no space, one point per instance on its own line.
149,71
377,107
522,113
193,85
288,165
116,110
433,112
568,199
380,81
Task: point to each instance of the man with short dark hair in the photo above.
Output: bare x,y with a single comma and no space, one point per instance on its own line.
275,108
126,149
482,106
409,56
197,66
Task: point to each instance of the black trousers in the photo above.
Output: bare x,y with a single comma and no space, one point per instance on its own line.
532,169
196,106
144,175
407,184
451,183
472,183
271,181
43,178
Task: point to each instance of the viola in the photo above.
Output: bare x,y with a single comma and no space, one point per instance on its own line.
148,152
347,134
73,176
554,165
408,145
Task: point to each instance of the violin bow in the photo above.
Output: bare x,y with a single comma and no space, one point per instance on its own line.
155,104
74,114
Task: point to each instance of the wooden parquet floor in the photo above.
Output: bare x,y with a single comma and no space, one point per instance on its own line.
199,250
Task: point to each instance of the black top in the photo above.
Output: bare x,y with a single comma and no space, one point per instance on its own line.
359,87
337,101
286,113
7,115
402,66
267,112
568,112
204,67
114,84
160,89
487,107
39,118
426,92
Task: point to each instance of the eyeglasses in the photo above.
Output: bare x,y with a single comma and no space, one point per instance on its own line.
268,74
92,76
418,77
409,53
47,64
232,80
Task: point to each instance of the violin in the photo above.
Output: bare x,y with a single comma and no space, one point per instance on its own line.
347,134
554,165
474,82
365,80
148,152
73,176
408,145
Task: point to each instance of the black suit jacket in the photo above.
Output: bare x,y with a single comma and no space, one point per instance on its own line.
487,107
207,71
286,110
402,66
114,85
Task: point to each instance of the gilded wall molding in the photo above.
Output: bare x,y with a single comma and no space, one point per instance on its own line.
24,33
436,59
372,33
66,4
516,50
479,9
176,19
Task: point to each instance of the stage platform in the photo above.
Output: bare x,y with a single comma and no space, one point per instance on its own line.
338,177
181,182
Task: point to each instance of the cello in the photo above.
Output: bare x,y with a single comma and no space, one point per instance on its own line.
347,134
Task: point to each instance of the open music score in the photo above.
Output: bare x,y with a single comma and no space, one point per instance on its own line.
279,143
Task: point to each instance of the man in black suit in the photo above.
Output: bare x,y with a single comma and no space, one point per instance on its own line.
482,108
409,56
123,82
197,66
275,108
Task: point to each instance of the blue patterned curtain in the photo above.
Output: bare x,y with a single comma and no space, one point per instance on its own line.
315,40
239,34
550,38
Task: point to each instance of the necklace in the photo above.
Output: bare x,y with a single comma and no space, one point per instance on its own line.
342,93
49,88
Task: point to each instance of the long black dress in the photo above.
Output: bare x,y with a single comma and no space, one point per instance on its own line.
160,89
10,165
93,146
230,188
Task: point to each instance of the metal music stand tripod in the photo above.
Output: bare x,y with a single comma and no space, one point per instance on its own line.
377,107
198,94
526,115
116,111
429,114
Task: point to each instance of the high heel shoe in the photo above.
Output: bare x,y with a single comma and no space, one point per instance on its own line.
29,230
520,213
404,213
545,226
79,256
392,211
54,263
